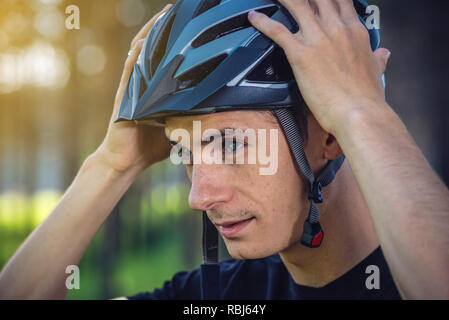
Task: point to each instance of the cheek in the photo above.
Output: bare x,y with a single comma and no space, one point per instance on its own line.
283,212
280,202
284,204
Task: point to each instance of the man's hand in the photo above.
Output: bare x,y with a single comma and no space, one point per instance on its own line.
331,57
128,145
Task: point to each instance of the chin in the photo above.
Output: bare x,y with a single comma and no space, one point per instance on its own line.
243,251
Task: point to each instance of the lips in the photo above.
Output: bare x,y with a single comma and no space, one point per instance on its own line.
230,229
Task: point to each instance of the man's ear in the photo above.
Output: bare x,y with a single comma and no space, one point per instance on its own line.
321,147
331,147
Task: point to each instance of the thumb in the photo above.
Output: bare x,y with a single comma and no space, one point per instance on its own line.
382,56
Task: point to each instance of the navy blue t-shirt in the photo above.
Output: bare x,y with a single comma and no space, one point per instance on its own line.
268,279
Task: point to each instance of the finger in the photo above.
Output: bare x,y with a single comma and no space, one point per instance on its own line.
304,16
273,29
382,56
133,55
328,12
348,12
147,27
128,69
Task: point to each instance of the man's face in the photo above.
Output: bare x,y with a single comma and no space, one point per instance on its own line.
269,209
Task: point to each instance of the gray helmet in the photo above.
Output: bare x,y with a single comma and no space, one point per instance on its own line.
204,56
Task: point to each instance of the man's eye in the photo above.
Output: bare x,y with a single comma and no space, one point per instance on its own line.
232,145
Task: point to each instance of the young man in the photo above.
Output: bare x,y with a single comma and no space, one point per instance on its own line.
384,194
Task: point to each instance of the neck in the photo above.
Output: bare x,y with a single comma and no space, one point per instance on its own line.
349,235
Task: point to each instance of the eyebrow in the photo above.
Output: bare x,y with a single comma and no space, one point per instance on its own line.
221,134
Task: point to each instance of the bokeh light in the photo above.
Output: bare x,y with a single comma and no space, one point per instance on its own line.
4,40
15,24
39,64
49,21
91,60
53,2
130,12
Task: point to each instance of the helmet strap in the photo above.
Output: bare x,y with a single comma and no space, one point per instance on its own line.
313,234
210,269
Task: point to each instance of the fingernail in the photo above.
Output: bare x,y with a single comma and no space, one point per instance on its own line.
388,55
253,14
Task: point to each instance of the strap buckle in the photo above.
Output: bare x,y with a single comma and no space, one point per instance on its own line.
315,192
312,235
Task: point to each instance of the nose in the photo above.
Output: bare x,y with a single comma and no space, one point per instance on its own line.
210,187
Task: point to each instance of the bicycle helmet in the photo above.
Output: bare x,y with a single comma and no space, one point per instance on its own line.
204,56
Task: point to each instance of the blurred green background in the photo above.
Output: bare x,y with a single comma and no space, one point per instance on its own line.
57,88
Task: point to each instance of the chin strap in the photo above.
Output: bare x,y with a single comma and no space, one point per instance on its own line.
210,269
313,234
210,241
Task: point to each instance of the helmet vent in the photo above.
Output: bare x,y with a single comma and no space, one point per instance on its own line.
143,87
274,68
229,26
161,46
194,76
206,5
